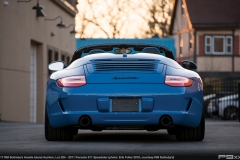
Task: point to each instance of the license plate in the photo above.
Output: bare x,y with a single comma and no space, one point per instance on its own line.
125,104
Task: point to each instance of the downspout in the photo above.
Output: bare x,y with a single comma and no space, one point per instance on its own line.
233,50
195,47
179,48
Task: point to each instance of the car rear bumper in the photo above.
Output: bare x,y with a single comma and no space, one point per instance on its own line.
66,106
152,118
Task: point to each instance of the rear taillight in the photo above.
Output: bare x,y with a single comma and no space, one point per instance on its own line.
179,62
73,81
178,81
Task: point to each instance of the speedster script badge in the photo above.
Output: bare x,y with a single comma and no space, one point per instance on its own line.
117,78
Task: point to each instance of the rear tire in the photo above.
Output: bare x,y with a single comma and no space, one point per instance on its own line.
172,130
57,134
75,131
191,134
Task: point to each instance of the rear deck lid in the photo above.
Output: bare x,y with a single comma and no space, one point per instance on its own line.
127,70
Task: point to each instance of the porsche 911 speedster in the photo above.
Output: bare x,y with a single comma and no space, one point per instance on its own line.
124,86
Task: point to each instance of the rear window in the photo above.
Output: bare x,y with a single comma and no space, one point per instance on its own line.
117,50
122,49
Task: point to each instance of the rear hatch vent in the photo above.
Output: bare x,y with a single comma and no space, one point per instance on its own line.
124,65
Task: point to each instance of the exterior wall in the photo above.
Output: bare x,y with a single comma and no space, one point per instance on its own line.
180,22
237,43
187,53
237,64
217,63
210,32
214,64
210,67
180,31
176,44
20,29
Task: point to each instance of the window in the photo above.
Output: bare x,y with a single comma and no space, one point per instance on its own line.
180,46
218,44
229,45
190,42
63,58
68,60
56,56
207,44
49,60
182,9
49,56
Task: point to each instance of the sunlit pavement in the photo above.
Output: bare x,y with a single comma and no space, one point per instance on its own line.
221,138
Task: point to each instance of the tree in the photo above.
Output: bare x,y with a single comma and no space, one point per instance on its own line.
159,16
108,17
115,18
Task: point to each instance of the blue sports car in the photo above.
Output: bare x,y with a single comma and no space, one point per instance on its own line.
124,86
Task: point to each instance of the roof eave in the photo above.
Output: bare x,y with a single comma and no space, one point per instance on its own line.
215,26
173,16
67,7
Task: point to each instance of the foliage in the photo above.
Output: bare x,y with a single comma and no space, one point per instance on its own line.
159,19
123,18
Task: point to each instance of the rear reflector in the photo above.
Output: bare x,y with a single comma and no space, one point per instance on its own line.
178,81
179,62
74,81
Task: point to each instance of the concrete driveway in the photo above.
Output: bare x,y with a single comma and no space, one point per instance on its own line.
27,139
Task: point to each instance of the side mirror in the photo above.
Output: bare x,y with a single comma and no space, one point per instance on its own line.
56,66
189,65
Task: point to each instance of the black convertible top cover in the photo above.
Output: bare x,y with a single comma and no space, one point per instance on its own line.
109,47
